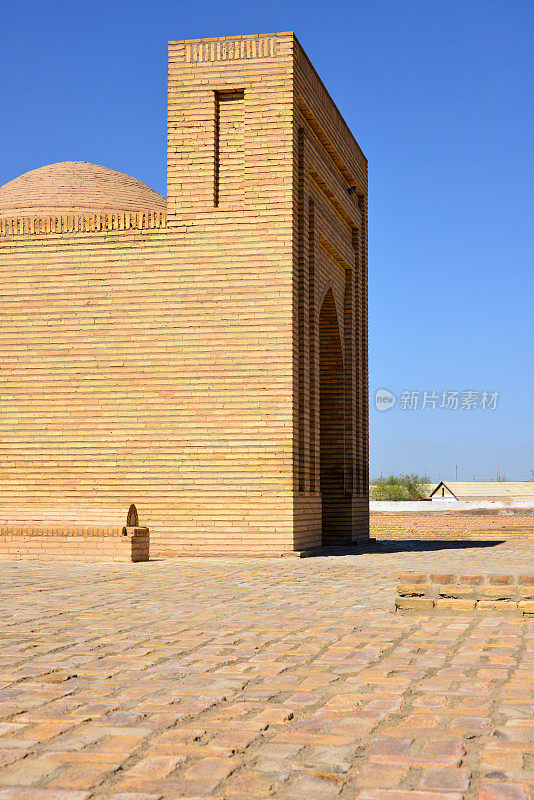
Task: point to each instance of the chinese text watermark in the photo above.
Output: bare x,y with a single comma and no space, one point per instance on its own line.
468,400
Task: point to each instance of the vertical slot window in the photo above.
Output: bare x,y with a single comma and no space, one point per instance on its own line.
229,150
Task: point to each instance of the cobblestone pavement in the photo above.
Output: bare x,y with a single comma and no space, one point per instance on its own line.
246,679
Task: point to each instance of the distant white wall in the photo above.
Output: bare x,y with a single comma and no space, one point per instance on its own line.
409,506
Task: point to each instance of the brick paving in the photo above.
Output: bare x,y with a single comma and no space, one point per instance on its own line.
256,678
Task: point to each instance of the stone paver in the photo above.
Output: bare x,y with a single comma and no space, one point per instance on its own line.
256,678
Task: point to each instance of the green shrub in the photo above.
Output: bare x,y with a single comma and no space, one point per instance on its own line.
400,487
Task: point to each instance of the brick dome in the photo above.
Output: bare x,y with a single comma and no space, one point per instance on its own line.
76,187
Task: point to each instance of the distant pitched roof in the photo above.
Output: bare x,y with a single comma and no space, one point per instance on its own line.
487,490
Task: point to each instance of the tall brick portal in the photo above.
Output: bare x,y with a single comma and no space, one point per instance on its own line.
208,361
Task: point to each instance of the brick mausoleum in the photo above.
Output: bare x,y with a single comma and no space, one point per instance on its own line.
203,356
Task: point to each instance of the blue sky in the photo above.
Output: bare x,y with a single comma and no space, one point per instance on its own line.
439,96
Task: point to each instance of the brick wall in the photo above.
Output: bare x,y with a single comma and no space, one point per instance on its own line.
179,363
477,524
77,545
330,263
452,592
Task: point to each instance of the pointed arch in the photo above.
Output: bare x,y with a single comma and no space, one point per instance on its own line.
335,505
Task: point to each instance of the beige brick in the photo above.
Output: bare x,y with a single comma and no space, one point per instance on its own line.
416,603
412,589
455,604
504,592
457,590
497,605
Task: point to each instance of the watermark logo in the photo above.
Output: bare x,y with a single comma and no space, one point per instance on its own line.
468,400
384,399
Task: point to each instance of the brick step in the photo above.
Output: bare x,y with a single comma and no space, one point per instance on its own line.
430,592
